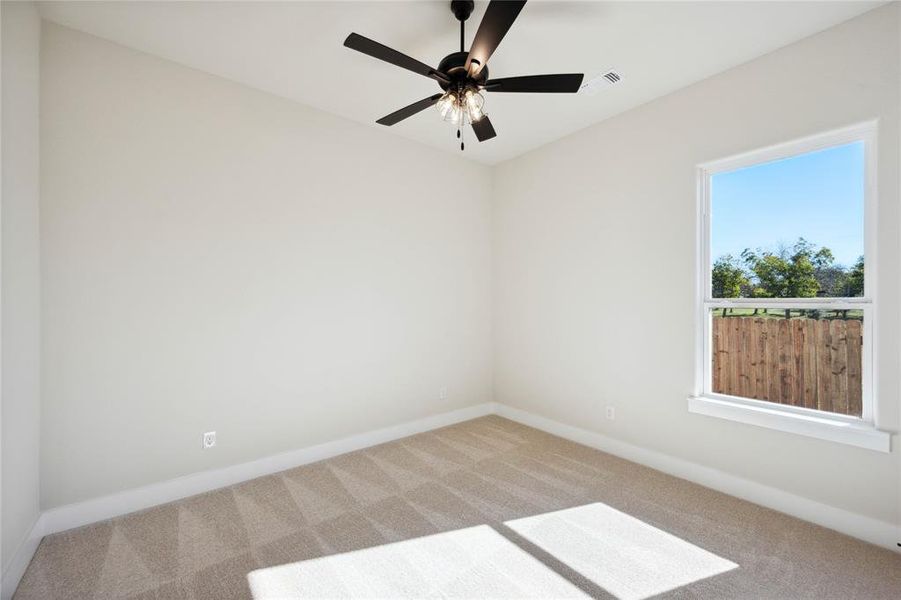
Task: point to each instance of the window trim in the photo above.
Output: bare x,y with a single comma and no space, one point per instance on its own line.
862,431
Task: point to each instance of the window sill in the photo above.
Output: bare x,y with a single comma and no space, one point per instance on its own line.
821,427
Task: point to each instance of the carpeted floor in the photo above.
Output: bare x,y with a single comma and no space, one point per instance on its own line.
487,508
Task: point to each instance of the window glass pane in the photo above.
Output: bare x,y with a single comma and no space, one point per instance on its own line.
806,358
791,228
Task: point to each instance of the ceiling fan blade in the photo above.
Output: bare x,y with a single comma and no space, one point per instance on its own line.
499,16
484,129
543,84
408,111
374,49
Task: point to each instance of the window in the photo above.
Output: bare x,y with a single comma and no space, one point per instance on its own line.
786,288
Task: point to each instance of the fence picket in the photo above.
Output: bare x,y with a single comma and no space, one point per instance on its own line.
855,389
809,362
839,366
772,358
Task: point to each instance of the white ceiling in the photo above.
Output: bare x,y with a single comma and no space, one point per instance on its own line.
294,49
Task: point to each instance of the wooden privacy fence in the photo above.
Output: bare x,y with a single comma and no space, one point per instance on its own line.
815,363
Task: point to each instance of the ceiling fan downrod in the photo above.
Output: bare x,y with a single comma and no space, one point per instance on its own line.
462,9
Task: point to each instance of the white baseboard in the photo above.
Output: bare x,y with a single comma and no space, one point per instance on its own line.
106,507
20,559
868,529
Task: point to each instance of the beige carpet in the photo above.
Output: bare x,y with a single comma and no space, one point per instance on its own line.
487,508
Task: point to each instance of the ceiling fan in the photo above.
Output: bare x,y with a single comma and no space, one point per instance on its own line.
463,76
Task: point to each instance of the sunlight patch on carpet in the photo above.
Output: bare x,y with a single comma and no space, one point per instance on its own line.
624,555
476,562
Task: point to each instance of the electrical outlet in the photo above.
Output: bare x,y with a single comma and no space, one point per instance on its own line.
209,439
611,413
442,394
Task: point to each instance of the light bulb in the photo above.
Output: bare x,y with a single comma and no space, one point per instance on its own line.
475,113
446,103
474,102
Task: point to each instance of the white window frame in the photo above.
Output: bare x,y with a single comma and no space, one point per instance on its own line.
863,431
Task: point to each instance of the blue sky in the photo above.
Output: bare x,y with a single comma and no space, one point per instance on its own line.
817,196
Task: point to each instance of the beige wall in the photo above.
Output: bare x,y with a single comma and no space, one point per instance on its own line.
216,258
594,255
20,283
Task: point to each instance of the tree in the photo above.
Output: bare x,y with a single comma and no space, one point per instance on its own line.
833,280
790,272
855,279
728,278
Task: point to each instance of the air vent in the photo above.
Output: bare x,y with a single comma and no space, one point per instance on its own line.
606,79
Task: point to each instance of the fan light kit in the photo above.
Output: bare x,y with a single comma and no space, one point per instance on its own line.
463,76
461,108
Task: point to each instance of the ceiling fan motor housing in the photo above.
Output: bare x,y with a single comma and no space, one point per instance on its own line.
454,66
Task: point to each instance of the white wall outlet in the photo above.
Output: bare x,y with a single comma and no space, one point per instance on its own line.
209,439
442,394
611,413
